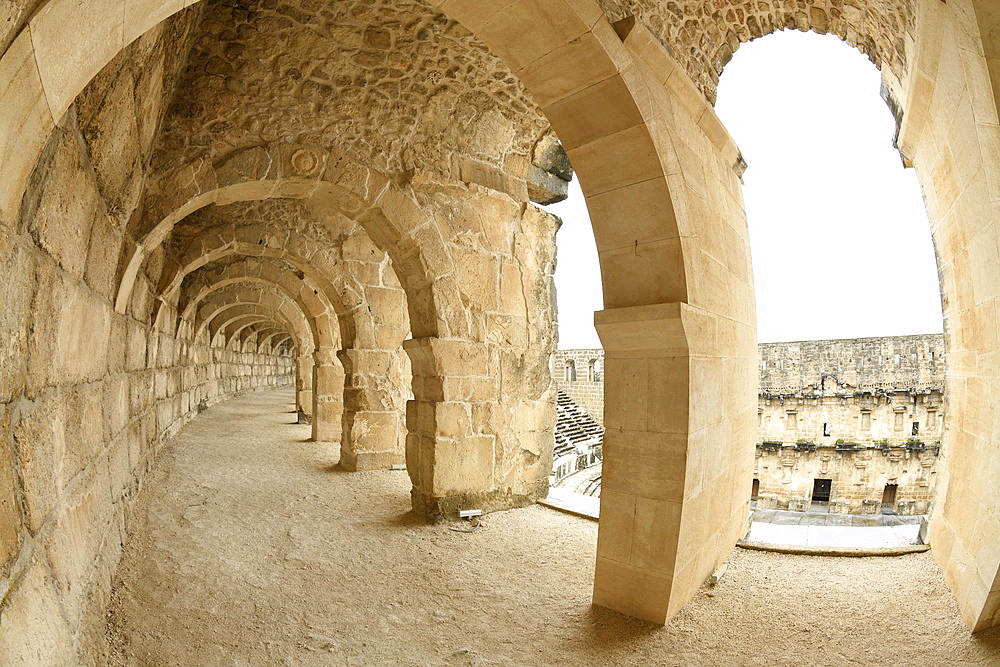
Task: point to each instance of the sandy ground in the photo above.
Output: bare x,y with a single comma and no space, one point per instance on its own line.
250,548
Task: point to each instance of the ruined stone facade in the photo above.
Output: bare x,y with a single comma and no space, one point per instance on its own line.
580,373
144,147
864,417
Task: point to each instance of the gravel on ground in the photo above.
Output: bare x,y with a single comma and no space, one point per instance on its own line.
249,546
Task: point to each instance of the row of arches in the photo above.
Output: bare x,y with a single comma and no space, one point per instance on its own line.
472,259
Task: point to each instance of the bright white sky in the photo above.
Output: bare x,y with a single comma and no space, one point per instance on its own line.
838,230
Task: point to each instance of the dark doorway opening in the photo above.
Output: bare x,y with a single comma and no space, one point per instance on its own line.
755,489
821,490
889,499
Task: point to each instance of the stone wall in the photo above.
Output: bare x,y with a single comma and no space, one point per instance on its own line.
579,373
704,35
862,412
865,363
867,418
858,477
88,396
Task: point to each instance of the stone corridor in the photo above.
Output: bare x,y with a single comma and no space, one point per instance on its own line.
248,546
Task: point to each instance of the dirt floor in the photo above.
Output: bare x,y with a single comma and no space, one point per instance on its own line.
250,548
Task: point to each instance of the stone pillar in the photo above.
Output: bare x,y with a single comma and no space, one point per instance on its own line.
678,454
372,424
452,453
303,387
328,396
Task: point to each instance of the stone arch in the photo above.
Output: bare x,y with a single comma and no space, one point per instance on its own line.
941,82
245,329
678,293
238,325
272,338
683,316
355,323
595,370
625,62
238,282
269,305
704,36
319,384
953,99
256,271
360,323
241,327
389,213
255,333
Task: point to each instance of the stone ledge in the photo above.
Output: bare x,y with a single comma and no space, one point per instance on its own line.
852,552
577,504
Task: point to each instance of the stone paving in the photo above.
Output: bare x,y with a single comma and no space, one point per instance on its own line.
821,529
818,516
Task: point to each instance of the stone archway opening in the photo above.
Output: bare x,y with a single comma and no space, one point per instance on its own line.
575,481
844,267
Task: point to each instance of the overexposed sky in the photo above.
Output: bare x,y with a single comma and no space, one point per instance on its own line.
838,230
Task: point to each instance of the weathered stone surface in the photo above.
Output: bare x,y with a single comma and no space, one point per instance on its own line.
10,512
419,130
32,625
436,92
703,36
16,293
70,194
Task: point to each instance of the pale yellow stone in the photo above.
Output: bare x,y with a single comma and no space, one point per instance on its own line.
25,122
